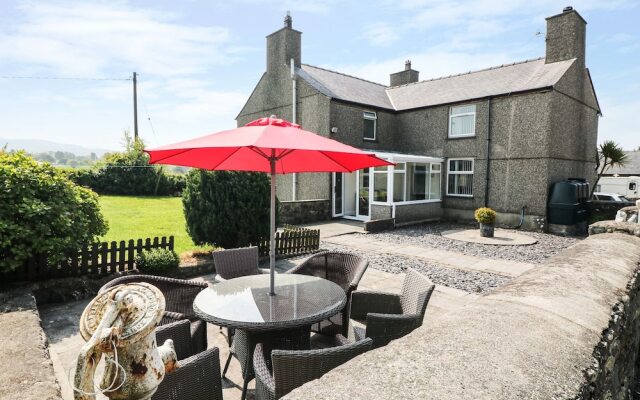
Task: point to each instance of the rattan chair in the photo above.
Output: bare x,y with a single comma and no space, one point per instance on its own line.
344,269
234,263
390,316
197,375
179,295
278,372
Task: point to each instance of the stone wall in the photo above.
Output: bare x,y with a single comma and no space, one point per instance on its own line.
27,371
304,211
567,329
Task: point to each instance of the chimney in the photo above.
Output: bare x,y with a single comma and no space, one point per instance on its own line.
283,45
403,77
566,36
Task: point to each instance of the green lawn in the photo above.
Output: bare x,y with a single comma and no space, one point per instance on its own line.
137,217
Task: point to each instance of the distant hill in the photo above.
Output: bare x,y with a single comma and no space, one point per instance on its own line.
42,146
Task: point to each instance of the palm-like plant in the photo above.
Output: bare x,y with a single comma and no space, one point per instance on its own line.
610,154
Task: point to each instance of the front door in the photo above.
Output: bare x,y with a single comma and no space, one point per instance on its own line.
351,195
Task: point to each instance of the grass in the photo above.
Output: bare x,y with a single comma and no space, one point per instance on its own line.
137,217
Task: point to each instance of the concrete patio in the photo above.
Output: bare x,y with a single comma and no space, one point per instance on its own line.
61,326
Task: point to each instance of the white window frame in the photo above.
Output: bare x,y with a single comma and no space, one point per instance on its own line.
371,116
473,167
451,116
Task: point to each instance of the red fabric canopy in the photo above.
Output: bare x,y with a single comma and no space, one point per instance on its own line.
250,147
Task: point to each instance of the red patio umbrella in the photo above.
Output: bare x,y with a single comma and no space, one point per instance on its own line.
268,145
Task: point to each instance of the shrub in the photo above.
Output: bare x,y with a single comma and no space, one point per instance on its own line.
485,215
128,173
226,209
157,261
42,212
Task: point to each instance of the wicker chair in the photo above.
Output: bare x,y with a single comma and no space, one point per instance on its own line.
234,263
344,269
179,295
390,316
278,372
198,375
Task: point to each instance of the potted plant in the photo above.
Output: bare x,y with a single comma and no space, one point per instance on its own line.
486,217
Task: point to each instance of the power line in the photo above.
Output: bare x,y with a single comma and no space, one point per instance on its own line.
66,78
144,104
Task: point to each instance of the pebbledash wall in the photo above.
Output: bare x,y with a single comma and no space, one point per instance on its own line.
536,137
567,329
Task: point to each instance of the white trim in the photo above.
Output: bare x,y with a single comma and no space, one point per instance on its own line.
473,167
398,157
449,135
373,118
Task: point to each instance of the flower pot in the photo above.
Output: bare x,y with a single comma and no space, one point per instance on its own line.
486,230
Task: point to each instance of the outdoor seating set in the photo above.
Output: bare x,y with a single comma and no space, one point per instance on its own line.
270,335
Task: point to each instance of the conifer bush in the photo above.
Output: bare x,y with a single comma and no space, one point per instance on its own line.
226,208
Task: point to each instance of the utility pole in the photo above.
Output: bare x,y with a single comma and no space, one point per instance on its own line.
135,107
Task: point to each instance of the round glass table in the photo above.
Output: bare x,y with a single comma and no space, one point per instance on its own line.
245,303
280,321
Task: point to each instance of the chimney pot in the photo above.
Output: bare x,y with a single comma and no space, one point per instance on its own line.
288,22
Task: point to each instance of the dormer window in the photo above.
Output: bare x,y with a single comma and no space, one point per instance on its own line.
462,121
370,119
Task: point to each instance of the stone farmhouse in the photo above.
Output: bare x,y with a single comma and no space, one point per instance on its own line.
498,137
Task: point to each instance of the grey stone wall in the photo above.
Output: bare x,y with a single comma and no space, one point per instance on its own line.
567,329
304,211
350,123
379,211
417,212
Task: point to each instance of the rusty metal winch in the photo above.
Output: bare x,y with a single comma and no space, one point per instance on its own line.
120,324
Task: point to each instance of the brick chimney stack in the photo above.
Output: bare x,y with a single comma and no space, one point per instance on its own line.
284,45
566,37
403,77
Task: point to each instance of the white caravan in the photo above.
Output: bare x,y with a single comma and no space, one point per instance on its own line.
628,186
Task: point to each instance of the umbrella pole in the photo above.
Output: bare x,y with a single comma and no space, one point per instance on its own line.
272,231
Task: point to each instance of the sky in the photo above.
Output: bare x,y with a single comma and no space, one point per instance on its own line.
198,61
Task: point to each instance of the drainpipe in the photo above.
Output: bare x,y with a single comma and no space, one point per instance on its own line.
294,179
488,153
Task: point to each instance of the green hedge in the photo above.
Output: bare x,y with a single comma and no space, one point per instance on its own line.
42,212
227,209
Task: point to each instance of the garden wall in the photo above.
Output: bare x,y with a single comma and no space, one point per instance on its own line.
567,329
304,211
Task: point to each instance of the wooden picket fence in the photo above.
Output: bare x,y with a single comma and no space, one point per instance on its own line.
96,259
293,240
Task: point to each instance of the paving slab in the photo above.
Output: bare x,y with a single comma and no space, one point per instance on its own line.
337,228
502,237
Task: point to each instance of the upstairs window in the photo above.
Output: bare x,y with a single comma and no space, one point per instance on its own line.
370,119
462,121
460,177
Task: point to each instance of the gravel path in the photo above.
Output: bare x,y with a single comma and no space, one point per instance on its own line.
429,235
472,282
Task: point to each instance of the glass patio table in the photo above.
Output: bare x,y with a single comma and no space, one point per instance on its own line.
282,320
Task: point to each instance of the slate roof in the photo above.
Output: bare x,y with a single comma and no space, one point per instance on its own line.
631,166
511,78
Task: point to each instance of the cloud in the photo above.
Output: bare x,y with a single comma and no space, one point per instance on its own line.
381,34
620,123
89,39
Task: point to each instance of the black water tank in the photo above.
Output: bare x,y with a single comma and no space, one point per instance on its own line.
568,202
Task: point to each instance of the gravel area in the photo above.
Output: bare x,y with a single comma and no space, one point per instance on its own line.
472,282
429,235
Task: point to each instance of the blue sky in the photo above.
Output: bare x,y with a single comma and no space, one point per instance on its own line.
199,60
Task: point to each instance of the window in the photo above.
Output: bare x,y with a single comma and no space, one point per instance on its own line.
399,183
632,186
423,181
460,177
462,121
380,184
369,125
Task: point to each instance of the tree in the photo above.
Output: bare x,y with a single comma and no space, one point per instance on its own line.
610,154
42,212
227,209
